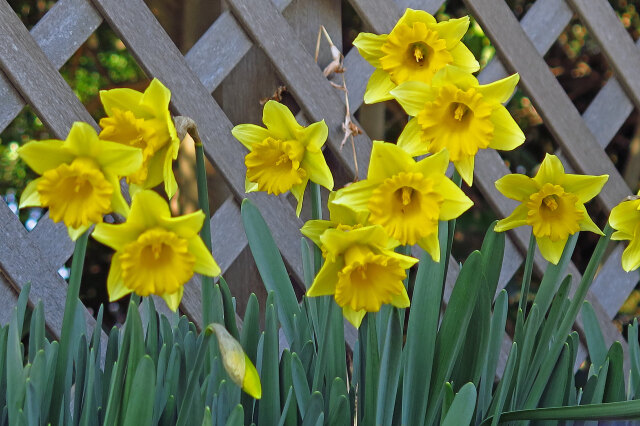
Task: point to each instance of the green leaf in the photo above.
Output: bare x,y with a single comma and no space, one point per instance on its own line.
271,266
15,372
300,384
492,256
614,389
553,276
503,387
229,311
89,411
369,386
492,355
557,386
461,411
421,334
314,410
269,406
634,358
236,418
140,406
453,329
286,409
389,370
36,331
447,400
595,339
339,403
286,384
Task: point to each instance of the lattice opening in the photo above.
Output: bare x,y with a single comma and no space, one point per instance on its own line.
579,64
31,11
624,150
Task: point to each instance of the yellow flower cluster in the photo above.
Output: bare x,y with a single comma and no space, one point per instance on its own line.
80,183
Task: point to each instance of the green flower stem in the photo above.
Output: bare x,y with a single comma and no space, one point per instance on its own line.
457,179
528,269
316,214
205,233
66,336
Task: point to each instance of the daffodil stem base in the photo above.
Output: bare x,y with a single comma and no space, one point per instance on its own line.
70,307
205,233
526,279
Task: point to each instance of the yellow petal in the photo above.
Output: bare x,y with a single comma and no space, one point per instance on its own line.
173,300
317,169
205,264
250,186
251,383
250,134
464,59
369,47
585,187
44,155
517,218
517,186
156,166
435,164
30,196
551,250
119,159
280,121
298,193
315,135
186,226
586,224
156,98
357,195
624,217
124,100
455,201
464,166
621,236
324,283
551,171
404,261
170,184
453,75
336,242
412,95
500,91
354,317
312,229
410,139
118,203
631,256
431,245
83,141
388,159
401,300
412,16
115,284
452,30
114,236
507,135
379,87
147,208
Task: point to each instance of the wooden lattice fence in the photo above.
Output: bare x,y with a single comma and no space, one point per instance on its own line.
262,42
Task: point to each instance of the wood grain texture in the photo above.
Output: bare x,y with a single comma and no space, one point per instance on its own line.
22,262
614,40
553,104
8,299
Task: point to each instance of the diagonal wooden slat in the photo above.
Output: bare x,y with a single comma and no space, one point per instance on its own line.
614,40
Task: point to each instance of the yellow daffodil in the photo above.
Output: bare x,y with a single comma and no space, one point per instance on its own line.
340,217
362,271
143,120
625,219
236,362
415,50
406,197
284,156
459,114
155,253
552,204
79,177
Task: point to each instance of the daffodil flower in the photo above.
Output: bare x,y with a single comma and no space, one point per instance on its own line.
143,120
155,253
406,197
284,156
625,219
236,362
362,271
79,177
552,203
457,113
415,50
